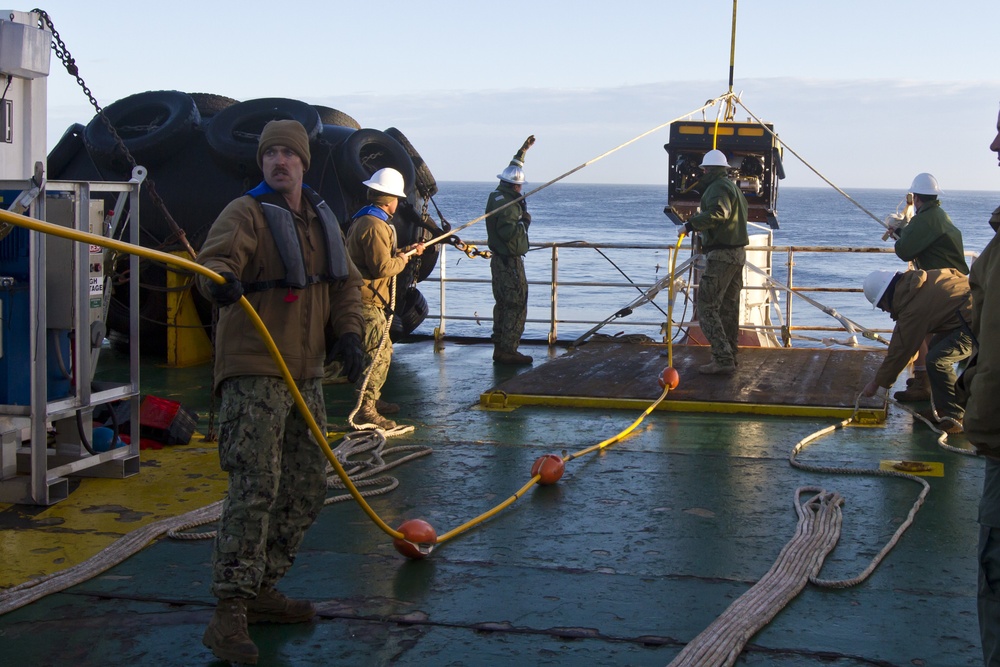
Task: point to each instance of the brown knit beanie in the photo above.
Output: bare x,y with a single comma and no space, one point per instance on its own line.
288,133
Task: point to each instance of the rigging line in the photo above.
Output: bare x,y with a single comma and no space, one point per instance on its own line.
810,167
630,280
438,239
848,323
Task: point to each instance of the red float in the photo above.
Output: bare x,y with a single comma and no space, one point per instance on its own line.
669,378
418,539
549,469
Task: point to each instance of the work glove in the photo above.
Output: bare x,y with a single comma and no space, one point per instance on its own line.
525,218
226,293
528,143
348,350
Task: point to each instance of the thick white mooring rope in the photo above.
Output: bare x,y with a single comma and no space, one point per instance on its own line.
800,560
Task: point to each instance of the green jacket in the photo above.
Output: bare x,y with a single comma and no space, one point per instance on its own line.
924,302
722,220
932,241
982,419
507,231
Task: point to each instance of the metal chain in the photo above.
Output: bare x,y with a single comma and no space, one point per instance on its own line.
66,58
470,250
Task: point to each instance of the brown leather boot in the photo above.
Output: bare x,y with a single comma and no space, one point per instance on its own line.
227,634
918,388
385,407
272,606
367,414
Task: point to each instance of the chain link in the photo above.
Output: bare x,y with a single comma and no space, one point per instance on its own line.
59,47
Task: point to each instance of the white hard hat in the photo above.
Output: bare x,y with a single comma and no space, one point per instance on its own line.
389,181
925,184
512,174
876,284
714,158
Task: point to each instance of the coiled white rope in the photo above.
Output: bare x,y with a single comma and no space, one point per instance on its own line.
354,444
800,561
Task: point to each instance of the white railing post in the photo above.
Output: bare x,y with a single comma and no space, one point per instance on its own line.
554,298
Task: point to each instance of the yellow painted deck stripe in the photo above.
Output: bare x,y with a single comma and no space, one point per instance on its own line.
864,416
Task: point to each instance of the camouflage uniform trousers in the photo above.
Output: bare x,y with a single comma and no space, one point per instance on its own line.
277,481
374,317
719,302
510,292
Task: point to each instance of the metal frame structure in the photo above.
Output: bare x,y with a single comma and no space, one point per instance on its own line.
38,473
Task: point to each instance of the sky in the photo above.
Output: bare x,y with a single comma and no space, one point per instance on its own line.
868,93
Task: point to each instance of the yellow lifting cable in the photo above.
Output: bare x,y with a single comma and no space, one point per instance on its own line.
670,300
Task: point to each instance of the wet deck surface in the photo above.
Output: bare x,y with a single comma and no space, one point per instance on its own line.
632,554
805,382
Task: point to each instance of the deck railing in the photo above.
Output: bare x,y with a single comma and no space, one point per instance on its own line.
566,294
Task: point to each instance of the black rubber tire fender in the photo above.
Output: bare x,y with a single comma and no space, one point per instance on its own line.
330,116
152,125
234,132
69,144
425,183
365,152
209,104
411,311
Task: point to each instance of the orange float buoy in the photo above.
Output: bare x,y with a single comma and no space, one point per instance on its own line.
669,378
418,539
549,469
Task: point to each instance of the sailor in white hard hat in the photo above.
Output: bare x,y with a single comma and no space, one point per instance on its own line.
507,233
930,241
936,303
371,245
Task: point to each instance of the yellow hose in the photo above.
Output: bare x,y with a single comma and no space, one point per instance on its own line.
155,255
670,301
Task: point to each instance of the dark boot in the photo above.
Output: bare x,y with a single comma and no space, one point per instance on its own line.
272,606
918,388
514,358
386,408
715,368
227,635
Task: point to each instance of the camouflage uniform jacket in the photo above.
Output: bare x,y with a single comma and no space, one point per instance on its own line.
240,241
924,302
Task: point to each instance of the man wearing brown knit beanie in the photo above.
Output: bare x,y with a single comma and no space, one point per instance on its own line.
279,247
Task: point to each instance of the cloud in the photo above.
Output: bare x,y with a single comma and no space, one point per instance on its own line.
872,133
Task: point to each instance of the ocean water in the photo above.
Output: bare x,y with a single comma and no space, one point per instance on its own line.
633,214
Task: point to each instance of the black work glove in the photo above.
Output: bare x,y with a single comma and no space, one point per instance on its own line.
226,293
525,218
348,350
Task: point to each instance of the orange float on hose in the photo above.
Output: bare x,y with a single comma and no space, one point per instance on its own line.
549,469
418,539
669,378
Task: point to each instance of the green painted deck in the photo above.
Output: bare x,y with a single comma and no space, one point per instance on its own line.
632,554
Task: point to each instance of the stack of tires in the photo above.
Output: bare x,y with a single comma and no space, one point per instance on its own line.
200,150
